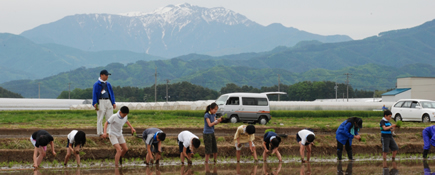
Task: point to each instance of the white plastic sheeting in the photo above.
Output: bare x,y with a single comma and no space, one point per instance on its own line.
55,104
37,104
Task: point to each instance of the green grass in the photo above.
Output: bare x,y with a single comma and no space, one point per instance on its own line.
185,119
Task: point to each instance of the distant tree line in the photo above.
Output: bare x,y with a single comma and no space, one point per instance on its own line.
8,94
185,91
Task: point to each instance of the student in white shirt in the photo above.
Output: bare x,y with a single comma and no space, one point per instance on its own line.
186,142
76,140
305,138
115,123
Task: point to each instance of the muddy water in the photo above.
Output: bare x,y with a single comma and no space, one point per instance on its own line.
345,167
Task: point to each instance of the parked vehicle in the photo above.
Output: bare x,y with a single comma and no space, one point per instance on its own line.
414,110
245,107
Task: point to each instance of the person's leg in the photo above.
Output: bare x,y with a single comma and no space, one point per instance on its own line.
426,146
118,153
255,152
208,146
181,147
77,159
214,148
308,152
68,154
302,152
124,149
393,147
339,150
385,146
40,156
279,156
35,155
100,115
349,150
264,155
238,151
108,112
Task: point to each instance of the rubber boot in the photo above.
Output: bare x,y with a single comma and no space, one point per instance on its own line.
339,154
349,155
425,153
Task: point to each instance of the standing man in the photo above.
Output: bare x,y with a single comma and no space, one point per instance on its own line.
103,100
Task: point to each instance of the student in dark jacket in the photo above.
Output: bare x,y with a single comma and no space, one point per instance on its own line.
345,133
103,100
429,139
271,142
40,139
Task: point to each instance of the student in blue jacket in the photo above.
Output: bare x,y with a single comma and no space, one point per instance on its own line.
429,139
345,133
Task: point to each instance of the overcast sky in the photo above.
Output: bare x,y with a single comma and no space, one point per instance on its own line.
355,18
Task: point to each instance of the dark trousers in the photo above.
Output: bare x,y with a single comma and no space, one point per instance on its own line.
340,150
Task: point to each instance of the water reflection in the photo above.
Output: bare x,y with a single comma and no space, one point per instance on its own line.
149,170
186,170
239,169
207,169
118,171
393,170
267,170
306,168
340,168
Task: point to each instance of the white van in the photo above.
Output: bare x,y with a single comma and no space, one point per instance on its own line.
246,107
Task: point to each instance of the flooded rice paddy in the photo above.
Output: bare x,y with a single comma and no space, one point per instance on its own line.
326,166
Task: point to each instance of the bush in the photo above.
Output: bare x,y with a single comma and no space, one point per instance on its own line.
277,113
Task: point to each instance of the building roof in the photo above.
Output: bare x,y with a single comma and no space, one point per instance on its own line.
396,91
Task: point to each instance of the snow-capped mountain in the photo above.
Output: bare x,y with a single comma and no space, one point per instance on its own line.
171,31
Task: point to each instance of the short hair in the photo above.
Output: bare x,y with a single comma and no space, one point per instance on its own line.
161,136
43,140
387,113
275,142
250,129
310,138
80,138
196,142
125,110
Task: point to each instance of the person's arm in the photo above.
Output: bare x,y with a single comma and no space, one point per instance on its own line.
264,146
71,148
432,140
52,148
210,124
95,96
387,127
237,135
112,95
185,154
149,151
132,129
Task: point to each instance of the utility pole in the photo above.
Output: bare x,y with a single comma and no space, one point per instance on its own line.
279,83
39,90
336,89
155,86
347,85
167,81
69,90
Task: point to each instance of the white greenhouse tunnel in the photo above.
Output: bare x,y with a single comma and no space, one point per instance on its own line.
64,104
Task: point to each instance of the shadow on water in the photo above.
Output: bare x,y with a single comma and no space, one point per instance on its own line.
340,168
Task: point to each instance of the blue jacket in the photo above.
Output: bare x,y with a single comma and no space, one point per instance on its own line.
429,137
343,135
96,93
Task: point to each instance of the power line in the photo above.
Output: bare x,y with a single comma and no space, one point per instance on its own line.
347,85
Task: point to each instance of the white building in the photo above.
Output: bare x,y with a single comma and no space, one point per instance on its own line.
412,88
